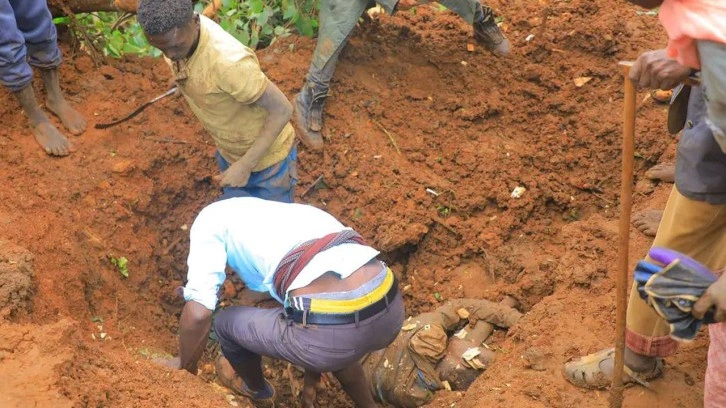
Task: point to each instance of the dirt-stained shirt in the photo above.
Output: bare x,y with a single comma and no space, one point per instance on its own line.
221,81
404,373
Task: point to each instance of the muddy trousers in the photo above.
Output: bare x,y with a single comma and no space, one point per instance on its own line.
713,73
697,229
339,17
27,38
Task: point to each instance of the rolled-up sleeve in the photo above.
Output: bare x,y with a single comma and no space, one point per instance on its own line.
207,262
244,80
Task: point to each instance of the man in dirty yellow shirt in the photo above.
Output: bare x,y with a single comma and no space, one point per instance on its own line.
221,79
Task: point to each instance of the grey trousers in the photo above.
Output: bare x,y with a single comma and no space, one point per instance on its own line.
339,17
247,331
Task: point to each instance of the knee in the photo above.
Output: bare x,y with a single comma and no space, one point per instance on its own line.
222,326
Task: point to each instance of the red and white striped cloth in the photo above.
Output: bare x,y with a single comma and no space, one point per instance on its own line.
715,387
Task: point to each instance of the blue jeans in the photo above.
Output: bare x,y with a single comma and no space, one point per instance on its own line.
275,183
27,37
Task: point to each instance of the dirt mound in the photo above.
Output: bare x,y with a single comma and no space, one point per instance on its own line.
16,280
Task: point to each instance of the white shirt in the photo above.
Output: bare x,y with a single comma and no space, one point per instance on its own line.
252,236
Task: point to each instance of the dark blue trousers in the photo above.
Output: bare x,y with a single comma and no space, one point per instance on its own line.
27,38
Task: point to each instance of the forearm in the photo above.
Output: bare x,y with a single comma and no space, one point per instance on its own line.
279,112
194,328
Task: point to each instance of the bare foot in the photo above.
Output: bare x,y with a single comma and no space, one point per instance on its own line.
56,103
72,120
50,139
648,221
665,172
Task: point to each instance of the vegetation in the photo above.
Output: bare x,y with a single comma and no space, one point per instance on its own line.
121,264
255,23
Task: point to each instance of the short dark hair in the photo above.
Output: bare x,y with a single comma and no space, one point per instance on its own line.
161,16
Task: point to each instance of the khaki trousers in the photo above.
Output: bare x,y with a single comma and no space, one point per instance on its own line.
696,229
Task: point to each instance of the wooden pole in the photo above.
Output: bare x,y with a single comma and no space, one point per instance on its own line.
626,204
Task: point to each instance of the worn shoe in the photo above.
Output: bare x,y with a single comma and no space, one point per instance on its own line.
587,372
308,115
229,378
487,33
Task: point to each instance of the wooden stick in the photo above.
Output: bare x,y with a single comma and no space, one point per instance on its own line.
626,204
312,186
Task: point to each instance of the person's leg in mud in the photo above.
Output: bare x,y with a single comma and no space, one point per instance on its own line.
16,75
483,20
337,19
692,227
36,24
713,73
275,183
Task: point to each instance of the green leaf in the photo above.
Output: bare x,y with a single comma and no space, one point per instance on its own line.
290,13
62,20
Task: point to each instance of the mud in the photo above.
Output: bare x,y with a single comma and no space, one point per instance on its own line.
16,280
468,130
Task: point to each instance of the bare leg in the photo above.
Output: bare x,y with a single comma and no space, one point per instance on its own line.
49,138
355,383
72,120
309,392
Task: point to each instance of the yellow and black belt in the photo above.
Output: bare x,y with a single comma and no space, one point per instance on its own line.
343,311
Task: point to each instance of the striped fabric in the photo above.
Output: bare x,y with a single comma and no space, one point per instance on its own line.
295,260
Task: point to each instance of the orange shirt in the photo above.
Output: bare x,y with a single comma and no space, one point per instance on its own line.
689,20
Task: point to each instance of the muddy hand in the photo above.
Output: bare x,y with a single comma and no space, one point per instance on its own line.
237,175
655,70
715,297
